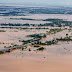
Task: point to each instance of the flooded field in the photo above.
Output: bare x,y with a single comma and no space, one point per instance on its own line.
6,19
33,48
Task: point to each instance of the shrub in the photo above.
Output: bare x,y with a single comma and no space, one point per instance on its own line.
36,46
1,52
42,48
29,49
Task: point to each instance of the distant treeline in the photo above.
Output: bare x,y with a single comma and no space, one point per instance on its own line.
10,24
59,22
22,19
22,11
54,23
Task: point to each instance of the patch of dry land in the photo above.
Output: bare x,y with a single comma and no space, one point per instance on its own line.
55,57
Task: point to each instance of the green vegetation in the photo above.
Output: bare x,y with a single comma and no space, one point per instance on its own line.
2,31
66,34
22,28
58,22
36,46
7,27
64,39
52,20
54,23
49,42
27,41
42,48
44,36
22,19
29,49
22,49
53,31
1,52
35,36
8,51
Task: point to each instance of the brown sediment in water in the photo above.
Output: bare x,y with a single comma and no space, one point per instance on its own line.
9,63
54,60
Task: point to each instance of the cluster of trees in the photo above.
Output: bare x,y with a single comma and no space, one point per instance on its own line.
27,41
64,39
35,36
54,22
11,24
53,31
22,19
1,52
58,22
42,48
49,42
